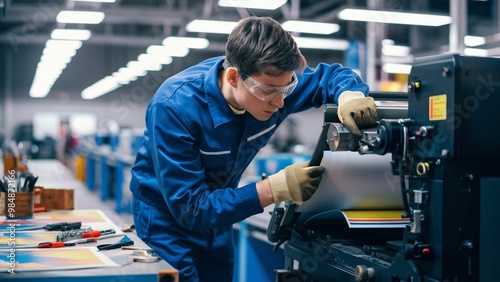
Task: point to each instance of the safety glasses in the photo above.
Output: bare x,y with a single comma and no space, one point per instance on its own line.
265,92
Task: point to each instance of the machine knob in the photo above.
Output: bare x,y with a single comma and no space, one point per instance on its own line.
422,168
338,137
414,87
425,131
363,273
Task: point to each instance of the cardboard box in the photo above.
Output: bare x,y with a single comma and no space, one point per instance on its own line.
57,199
16,205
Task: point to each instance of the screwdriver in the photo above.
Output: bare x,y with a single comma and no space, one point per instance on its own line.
55,244
81,234
66,244
59,226
62,226
97,233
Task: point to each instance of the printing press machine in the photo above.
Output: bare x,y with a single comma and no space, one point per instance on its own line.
442,146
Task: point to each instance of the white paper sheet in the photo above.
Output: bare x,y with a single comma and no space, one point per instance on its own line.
355,182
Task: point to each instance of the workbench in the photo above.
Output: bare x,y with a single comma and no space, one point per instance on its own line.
53,174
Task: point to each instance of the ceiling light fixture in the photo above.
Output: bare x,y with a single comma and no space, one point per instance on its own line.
55,57
63,44
208,26
137,68
80,17
473,41
59,52
393,17
395,50
253,4
71,34
160,59
153,60
188,42
124,76
321,43
310,27
476,52
172,51
100,88
396,68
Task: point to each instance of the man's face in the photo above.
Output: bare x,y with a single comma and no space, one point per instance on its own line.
262,95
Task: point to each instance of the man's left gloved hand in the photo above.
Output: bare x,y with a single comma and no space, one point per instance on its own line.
356,111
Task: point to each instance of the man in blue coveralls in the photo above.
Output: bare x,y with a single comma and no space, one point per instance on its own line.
204,126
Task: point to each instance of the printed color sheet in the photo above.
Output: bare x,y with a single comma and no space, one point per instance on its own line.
356,219
26,239
54,259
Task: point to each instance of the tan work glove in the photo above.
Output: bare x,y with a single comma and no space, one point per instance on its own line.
356,111
296,182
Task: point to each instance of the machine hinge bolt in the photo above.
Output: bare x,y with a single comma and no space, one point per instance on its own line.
467,245
446,71
363,273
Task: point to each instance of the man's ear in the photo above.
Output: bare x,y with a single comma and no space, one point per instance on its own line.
232,76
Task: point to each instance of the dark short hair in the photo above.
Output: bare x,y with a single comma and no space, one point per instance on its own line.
258,43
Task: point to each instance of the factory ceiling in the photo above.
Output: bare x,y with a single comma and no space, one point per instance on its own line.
130,26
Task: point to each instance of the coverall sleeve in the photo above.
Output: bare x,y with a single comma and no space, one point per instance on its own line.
323,85
181,176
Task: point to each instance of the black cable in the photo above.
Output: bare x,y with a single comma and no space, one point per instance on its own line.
403,190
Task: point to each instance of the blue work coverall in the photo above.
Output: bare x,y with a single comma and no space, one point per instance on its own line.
195,149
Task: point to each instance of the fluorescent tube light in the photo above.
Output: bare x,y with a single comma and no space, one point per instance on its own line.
208,26
321,43
188,42
476,52
38,91
58,52
393,17
45,66
310,27
253,4
100,88
395,50
156,56
473,41
136,68
53,58
172,51
150,65
396,68
124,76
71,34
387,42
63,44
160,59
80,17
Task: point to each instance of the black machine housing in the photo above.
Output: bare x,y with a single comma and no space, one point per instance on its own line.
446,154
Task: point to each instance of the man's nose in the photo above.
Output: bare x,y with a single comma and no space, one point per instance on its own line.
280,102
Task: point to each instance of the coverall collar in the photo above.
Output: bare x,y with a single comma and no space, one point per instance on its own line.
217,105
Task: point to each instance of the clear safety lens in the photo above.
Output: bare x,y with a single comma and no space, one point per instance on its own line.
266,92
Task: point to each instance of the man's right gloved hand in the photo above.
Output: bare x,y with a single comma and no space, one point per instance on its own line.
356,111
296,182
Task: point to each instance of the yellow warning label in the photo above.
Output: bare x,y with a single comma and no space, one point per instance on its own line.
437,107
